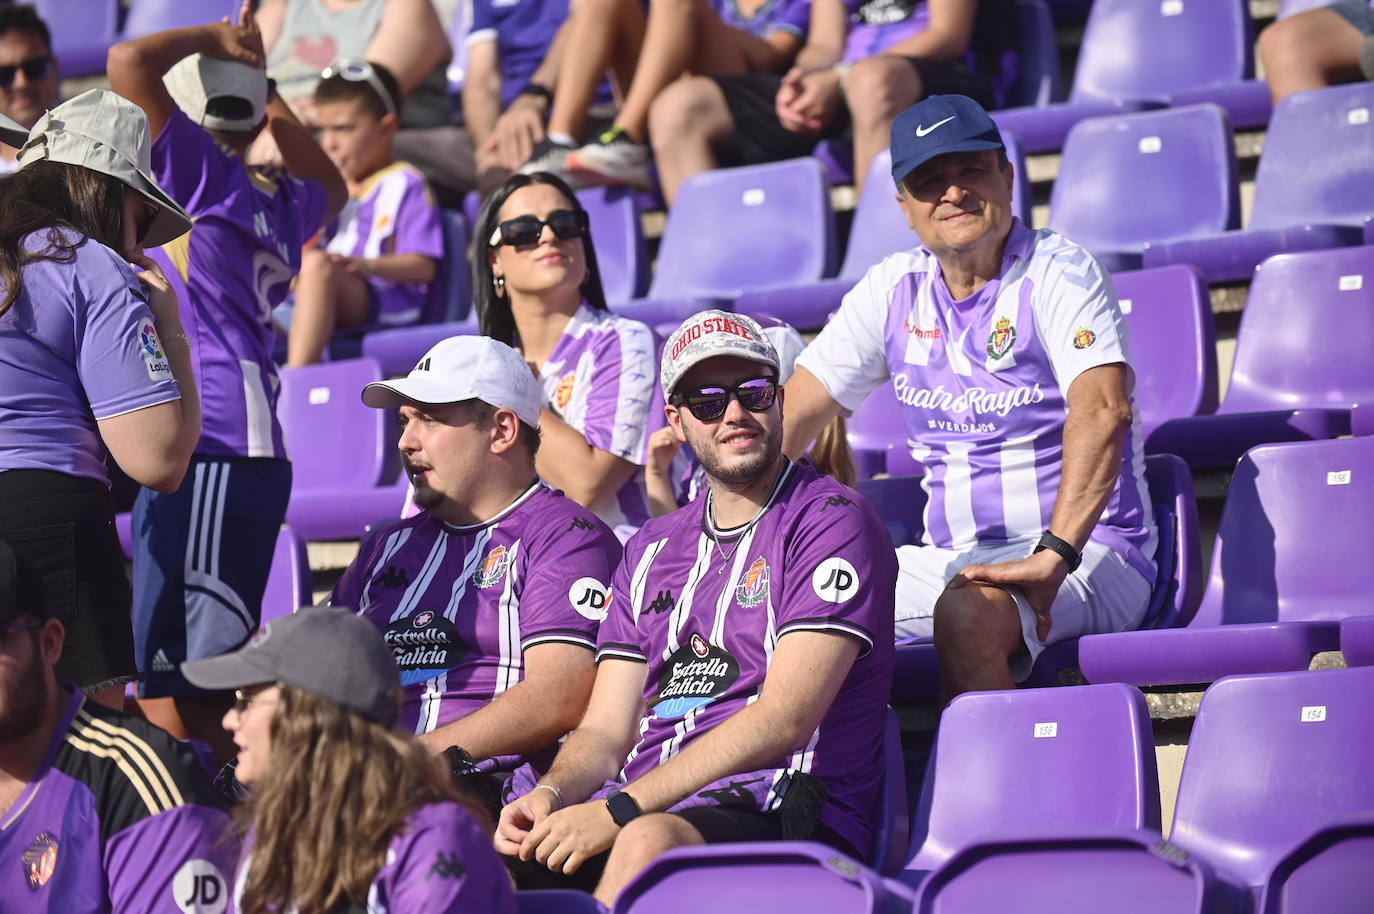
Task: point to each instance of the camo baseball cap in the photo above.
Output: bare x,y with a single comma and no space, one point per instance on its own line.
708,334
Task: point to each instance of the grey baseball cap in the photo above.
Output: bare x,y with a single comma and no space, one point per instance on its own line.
708,334
331,653
196,81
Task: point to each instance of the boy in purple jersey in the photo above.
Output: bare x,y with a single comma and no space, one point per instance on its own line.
1009,351
100,813
202,553
755,626
378,263
491,597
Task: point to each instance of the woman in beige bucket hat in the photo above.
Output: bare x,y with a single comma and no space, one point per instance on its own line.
92,359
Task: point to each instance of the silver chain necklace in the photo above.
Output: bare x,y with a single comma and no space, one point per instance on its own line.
734,547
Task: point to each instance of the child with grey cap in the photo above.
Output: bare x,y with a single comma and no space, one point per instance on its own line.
346,812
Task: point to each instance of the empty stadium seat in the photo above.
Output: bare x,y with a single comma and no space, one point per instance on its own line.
1271,758
1144,177
1328,872
1135,55
877,428
1043,762
82,33
899,502
1301,359
1037,56
556,901
1314,187
879,229
343,451
618,239
1357,640
734,229
147,16
289,583
1291,509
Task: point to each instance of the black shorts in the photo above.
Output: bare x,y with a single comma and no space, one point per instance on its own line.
62,528
760,137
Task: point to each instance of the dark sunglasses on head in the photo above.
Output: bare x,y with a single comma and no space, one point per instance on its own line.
566,223
34,68
709,403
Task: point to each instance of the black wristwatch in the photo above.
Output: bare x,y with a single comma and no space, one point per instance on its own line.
1071,556
622,807
537,90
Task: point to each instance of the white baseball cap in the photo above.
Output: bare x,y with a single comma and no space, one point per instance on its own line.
465,368
708,334
195,80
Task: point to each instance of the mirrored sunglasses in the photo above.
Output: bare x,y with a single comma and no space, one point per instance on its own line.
709,403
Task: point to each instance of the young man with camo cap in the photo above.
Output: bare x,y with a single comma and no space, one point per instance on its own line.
755,626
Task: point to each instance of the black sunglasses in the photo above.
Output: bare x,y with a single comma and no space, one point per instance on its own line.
146,218
34,68
709,403
566,223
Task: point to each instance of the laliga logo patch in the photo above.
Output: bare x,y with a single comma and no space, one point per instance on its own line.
753,587
590,598
835,580
199,888
493,569
696,675
563,393
424,646
40,859
154,359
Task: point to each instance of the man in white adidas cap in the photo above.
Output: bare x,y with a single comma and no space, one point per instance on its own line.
491,597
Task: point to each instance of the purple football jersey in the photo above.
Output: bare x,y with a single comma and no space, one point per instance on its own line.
984,385
523,31
602,379
237,263
818,559
119,819
876,25
77,345
395,215
793,16
460,605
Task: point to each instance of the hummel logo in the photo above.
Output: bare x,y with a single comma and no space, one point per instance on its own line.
580,524
393,577
922,131
662,603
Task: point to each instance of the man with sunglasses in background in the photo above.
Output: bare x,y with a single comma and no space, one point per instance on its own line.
1007,350
100,812
754,624
28,72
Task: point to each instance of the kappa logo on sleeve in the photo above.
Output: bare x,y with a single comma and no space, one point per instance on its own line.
589,597
154,359
835,580
199,888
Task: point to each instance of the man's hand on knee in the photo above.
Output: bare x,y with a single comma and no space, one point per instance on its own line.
1038,577
566,839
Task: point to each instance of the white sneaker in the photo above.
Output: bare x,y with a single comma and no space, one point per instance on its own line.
549,156
614,158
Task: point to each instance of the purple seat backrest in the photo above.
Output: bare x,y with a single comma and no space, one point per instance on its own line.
1035,761
900,502
733,229
1037,53
878,424
618,240
289,583
556,901
148,16
453,299
1292,509
334,440
1271,758
1173,342
1152,48
1292,7
1155,176
1171,485
1328,872
1304,337
1318,159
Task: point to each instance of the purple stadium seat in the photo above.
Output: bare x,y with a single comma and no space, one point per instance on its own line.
1271,758
899,501
148,16
1173,343
1037,56
619,240
1144,177
734,229
1301,359
879,229
1290,508
1362,420
398,350
1329,872
1124,872
1043,762
877,427
557,901
1357,640
342,450
82,33
1314,187
1291,7
289,583
1137,55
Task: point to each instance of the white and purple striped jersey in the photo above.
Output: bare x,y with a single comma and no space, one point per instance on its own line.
984,382
460,605
602,379
705,609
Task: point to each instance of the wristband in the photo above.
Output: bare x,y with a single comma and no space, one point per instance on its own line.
173,337
1071,556
556,792
623,808
537,90
841,70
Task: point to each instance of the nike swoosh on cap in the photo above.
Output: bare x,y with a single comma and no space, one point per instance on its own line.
922,131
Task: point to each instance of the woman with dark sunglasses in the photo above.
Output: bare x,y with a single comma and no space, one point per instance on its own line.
536,287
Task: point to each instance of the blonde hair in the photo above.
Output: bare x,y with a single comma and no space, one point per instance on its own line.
322,821
831,454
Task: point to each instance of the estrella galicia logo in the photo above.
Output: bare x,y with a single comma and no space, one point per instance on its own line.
425,645
753,587
493,569
697,674
40,860
589,597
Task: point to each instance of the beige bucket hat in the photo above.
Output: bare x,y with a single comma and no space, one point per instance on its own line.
101,131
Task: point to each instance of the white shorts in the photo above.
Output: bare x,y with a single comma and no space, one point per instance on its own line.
1105,594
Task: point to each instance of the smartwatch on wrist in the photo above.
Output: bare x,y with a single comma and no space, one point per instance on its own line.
1071,556
537,91
622,807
